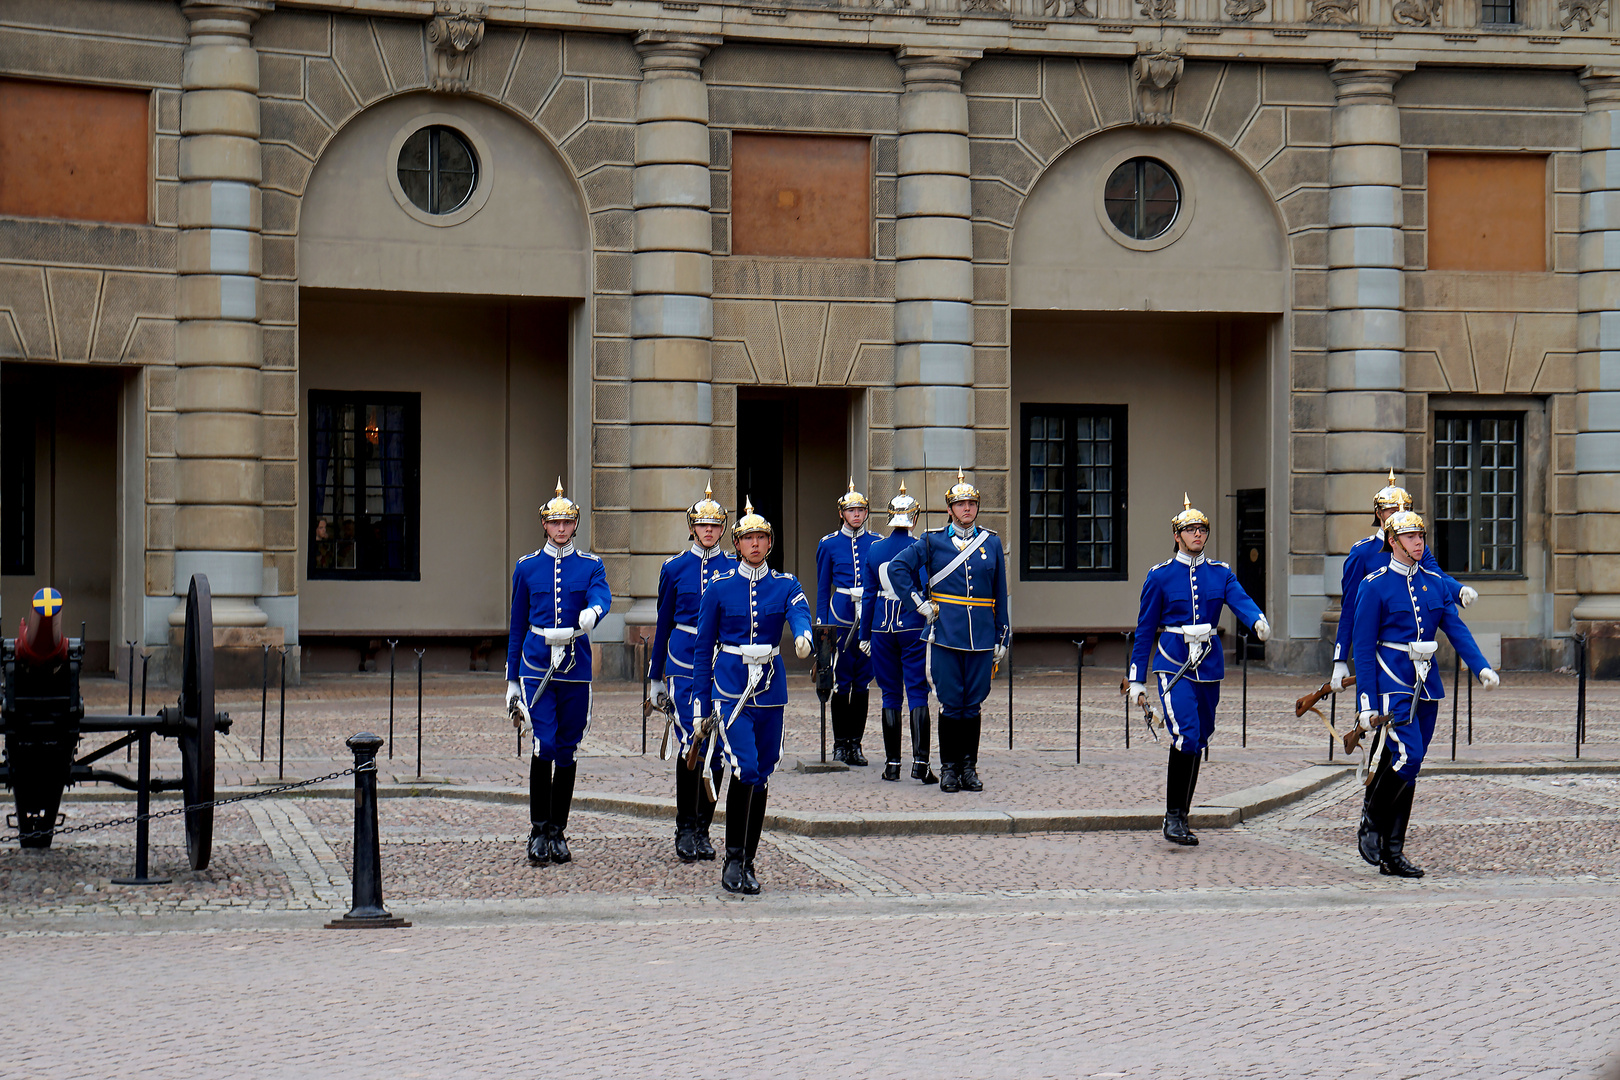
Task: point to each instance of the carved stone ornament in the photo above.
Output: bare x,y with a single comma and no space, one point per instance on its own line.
1067,9
1244,10
1416,12
1581,12
985,5
1342,12
456,30
1156,75
1157,9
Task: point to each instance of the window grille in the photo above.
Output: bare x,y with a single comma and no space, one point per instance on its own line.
1073,492
365,485
1478,493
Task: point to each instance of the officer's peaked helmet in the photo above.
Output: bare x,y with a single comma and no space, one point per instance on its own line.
750,523
902,510
961,491
706,511
852,499
1392,496
560,508
1188,516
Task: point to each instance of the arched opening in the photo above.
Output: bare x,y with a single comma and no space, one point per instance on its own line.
444,271
1149,286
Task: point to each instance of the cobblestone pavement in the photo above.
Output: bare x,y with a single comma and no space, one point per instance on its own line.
1270,950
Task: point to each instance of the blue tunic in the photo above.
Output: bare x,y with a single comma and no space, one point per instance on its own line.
972,598
681,583
550,588
839,559
895,628
1367,555
1186,591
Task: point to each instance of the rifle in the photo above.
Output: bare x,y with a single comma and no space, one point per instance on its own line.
826,652
1308,704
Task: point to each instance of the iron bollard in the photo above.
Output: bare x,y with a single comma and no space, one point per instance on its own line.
264,696
1243,643
1009,694
1079,686
368,911
1456,687
392,644
419,654
143,823
281,736
1580,692
644,653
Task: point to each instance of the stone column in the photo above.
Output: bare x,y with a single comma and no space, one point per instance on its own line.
219,520
1597,374
672,309
933,290
1366,327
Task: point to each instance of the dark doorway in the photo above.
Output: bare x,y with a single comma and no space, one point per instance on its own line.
764,427
793,461
1251,553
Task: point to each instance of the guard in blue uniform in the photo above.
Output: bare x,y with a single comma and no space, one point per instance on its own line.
956,578
558,594
892,636
1182,600
840,558
1369,554
1399,607
682,581
738,681
1366,555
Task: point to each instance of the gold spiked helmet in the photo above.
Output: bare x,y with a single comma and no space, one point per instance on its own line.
1188,516
749,523
902,510
706,511
961,491
1403,521
1392,496
560,508
852,499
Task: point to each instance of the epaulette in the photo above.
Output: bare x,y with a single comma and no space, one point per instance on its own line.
1381,570
829,536
587,555
673,557
530,555
1166,562
1217,562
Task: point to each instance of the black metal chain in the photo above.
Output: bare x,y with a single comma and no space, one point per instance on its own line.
136,818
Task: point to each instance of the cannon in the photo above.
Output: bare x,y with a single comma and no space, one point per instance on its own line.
43,720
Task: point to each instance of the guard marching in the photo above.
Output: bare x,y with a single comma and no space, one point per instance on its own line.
840,557
892,636
558,594
1182,600
1399,608
956,578
738,680
682,581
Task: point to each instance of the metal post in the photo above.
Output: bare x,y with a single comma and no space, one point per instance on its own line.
281,736
1470,708
1333,713
1243,643
646,664
1457,677
368,910
391,646
143,806
131,645
1079,686
419,654
1009,694
146,659
1580,691
264,696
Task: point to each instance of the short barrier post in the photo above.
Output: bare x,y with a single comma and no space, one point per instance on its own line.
264,694
1243,643
1580,692
1456,686
1079,685
281,737
393,643
368,911
419,654
1009,693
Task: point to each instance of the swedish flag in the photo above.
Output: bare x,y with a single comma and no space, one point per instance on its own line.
47,601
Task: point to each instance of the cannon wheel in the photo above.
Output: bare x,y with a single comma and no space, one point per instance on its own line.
197,710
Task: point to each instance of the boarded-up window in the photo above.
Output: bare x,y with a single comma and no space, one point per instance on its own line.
808,195
1487,212
73,151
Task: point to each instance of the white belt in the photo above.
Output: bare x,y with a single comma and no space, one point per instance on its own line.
753,655
689,629
756,657
555,635
1195,634
857,592
1421,654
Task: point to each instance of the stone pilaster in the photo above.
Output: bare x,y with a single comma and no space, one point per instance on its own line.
1597,371
933,310
219,519
672,309
1366,330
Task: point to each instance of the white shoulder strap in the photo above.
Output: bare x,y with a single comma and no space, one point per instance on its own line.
961,557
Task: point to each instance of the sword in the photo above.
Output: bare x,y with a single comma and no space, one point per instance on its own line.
1148,715
666,707
702,729
1195,656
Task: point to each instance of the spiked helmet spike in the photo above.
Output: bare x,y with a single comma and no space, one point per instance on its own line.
961,491
749,523
1392,496
706,511
560,508
1188,516
852,499
902,510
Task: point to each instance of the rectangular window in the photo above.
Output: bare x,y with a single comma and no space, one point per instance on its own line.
18,478
365,485
802,195
78,152
1073,486
1487,211
1478,493
1497,12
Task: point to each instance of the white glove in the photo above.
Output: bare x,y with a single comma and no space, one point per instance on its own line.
587,619
1490,679
1137,693
1364,719
1341,672
929,609
866,647
514,696
801,646
1262,629
1000,654
1467,595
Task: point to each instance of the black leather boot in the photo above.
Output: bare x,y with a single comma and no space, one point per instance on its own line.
539,846
855,729
686,797
756,825
969,757
705,814
1376,807
731,873
562,798
1177,785
919,747
950,768
838,706
1394,862
891,745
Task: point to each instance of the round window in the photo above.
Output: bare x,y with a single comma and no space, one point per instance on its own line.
1142,198
437,169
